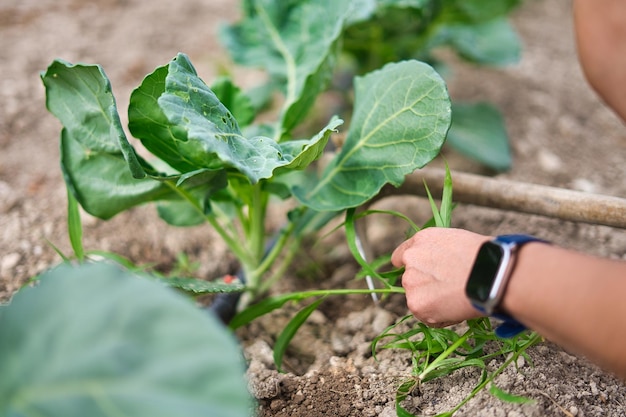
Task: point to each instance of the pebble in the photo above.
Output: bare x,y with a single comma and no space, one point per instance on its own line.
382,320
260,350
548,161
389,411
9,261
583,184
8,197
299,397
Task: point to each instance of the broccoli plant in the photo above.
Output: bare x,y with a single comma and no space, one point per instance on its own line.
211,160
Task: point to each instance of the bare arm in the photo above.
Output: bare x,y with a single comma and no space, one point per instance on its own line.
572,299
601,39
575,300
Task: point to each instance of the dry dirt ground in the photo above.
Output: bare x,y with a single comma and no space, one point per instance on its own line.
561,136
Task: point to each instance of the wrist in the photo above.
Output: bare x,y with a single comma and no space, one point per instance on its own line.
534,264
492,270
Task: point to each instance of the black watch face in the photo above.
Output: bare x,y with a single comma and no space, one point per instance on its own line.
484,272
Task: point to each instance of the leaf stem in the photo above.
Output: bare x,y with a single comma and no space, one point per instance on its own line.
278,248
255,237
348,291
258,209
231,241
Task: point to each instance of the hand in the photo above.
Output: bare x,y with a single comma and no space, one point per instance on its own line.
437,264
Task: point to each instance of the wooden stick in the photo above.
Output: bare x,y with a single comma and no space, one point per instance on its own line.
517,196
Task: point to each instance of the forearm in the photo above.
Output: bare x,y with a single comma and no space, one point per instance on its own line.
572,299
601,41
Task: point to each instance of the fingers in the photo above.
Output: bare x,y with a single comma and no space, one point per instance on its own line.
398,254
437,263
427,237
420,246
434,302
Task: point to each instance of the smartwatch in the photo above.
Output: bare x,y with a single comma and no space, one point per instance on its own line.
487,282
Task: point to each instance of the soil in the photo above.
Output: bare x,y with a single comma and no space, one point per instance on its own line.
561,135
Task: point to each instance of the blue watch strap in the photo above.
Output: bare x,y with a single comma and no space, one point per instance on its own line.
519,239
511,327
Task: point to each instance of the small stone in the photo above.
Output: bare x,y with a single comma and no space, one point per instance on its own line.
299,397
277,405
389,411
9,261
8,197
317,317
382,320
548,161
262,352
583,184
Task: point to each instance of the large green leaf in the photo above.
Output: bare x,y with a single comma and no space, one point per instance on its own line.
147,122
212,136
478,131
100,167
491,43
97,341
401,117
295,41
102,182
303,152
180,213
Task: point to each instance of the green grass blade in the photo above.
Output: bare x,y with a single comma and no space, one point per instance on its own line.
272,303
452,364
58,251
290,331
413,226
442,216
75,226
446,200
263,307
508,397
436,216
351,236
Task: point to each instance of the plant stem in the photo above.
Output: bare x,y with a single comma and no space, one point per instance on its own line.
348,291
232,243
279,246
257,213
433,365
255,236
